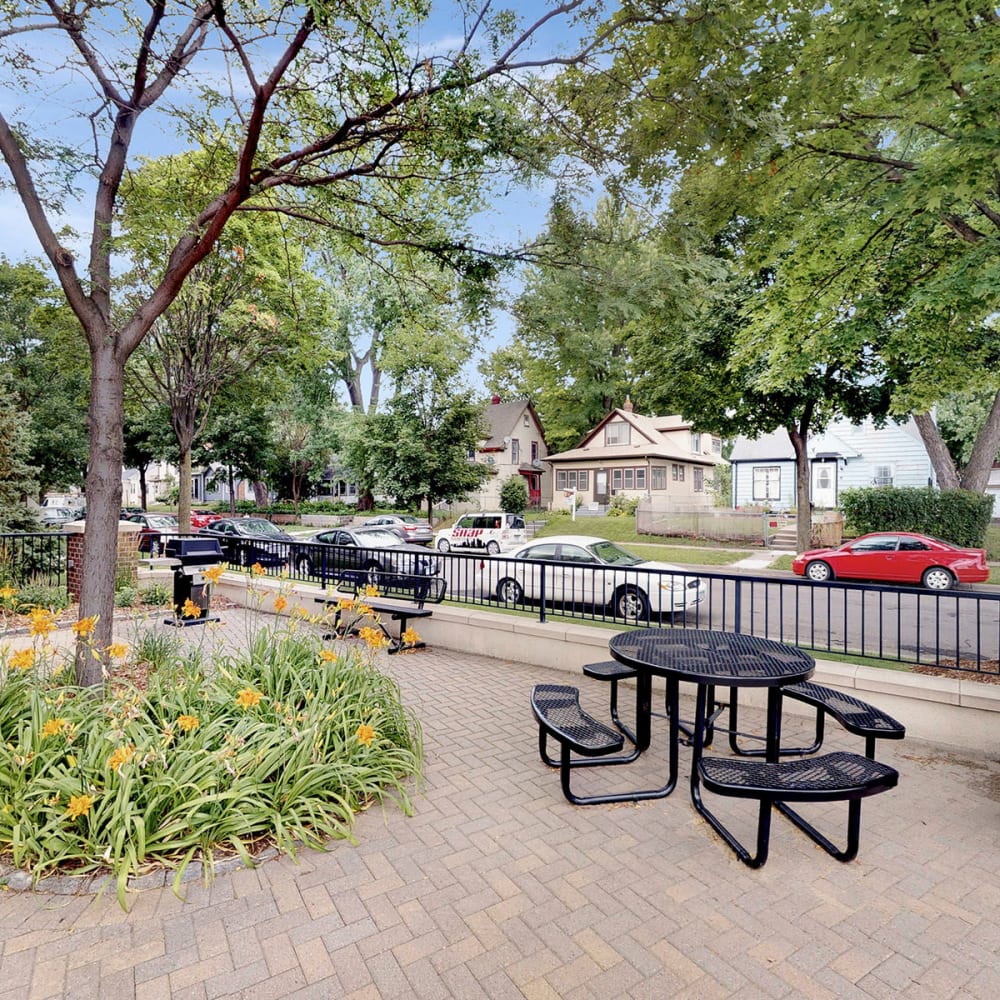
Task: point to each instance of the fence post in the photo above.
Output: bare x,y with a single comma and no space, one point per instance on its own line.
738,605
541,609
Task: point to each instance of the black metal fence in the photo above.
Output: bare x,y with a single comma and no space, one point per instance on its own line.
957,629
36,559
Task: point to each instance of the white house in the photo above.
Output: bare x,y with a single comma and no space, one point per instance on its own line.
844,455
514,446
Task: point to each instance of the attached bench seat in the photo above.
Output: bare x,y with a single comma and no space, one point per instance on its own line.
855,715
611,671
831,777
557,710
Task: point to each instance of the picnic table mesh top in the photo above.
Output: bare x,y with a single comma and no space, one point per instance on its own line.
712,657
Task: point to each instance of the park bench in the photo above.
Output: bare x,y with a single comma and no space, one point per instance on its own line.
832,777
556,708
401,596
855,715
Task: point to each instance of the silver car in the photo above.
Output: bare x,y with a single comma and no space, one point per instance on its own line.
404,526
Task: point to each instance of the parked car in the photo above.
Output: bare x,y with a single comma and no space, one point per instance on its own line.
895,557
366,554
56,517
203,518
156,528
598,573
408,527
248,540
493,532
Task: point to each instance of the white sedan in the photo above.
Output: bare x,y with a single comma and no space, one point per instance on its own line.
578,569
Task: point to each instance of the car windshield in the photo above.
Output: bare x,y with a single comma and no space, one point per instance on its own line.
161,521
614,555
408,519
377,538
258,526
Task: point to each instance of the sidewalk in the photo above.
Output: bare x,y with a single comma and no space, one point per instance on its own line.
496,887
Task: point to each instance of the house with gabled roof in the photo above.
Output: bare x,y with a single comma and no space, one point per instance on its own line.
633,455
841,456
514,446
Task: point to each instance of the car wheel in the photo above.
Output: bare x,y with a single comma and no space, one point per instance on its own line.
819,571
938,578
493,548
303,566
510,592
444,545
632,604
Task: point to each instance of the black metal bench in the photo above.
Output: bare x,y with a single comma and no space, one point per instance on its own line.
556,708
611,671
831,777
402,597
855,715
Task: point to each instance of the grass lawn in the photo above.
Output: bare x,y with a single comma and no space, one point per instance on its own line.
683,551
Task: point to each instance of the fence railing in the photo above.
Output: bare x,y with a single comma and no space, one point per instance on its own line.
958,629
34,559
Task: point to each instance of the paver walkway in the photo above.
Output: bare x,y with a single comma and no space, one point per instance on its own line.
497,887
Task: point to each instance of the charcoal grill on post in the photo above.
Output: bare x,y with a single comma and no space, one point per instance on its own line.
193,556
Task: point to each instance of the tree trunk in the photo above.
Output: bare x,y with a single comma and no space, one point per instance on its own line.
104,501
232,489
143,488
985,451
803,522
184,490
260,493
937,451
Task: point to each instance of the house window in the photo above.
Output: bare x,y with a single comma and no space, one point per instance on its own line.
515,451
534,451
677,473
767,482
695,442
883,475
616,432
699,480
658,476
561,479
640,479
572,479
716,446
616,479
629,479
524,420
583,480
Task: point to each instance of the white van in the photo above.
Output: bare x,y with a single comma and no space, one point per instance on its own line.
492,531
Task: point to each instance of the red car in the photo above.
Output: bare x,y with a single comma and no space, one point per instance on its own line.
203,518
895,557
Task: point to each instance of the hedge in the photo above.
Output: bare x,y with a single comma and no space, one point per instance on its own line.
957,516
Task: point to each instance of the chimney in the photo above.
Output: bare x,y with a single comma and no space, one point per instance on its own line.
495,400
627,405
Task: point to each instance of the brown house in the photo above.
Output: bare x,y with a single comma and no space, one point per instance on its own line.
631,455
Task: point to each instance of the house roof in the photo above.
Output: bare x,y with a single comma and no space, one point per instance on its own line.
502,418
647,441
776,447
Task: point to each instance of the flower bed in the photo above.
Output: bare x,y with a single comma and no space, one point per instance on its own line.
184,755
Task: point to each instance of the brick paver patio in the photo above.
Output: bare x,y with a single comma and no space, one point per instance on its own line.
497,887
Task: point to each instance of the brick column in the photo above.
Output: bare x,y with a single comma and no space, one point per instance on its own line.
126,565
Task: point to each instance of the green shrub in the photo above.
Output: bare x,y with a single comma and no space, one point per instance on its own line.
38,595
158,594
514,495
957,516
126,597
622,506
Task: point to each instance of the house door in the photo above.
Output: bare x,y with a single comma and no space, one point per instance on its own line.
824,484
601,486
